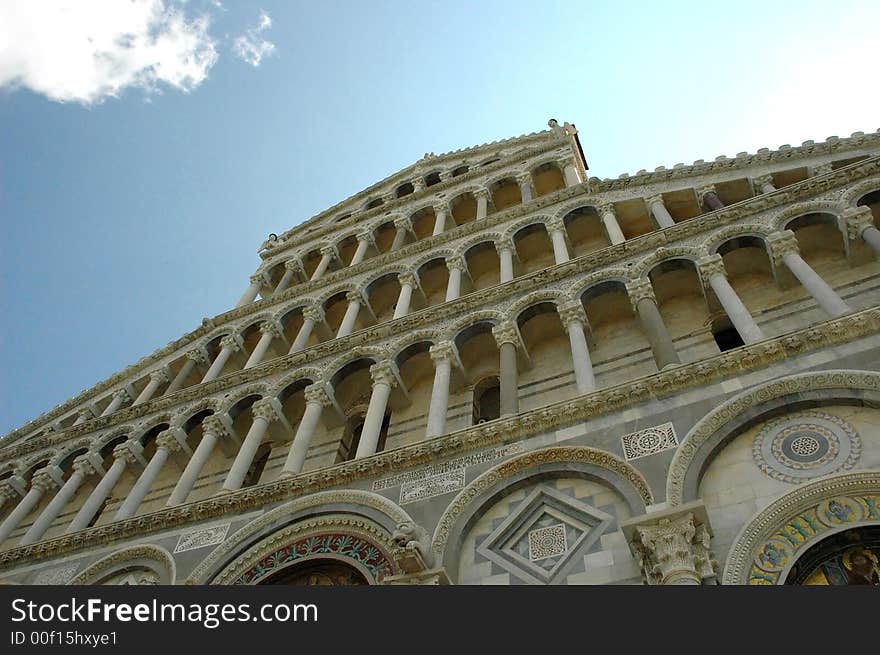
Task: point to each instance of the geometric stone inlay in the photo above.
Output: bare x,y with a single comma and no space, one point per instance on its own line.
649,441
447,466
202,538
436,485
60,575
547,542
542,539
805,445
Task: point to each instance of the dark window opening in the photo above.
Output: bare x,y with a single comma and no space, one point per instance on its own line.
487,401
256,469
728,339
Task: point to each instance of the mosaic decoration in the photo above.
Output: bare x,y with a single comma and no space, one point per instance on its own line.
540,539
781,548
805,445
847,558
649,441
436,485
201,538
448,466
349,546
60,575
547,542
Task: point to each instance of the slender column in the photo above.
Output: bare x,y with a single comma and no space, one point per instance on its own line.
574,319
556,228
709,197
351,313
507,337
316,400
119,397
657,207
384,378
42,481
83,467
193,358
714,275
213,430
641,295
408,282
442,355
264,412
859,222
453,286
124,454
311,317
525,186
328,254
612,227
505,254
365,240
86,414
228,345
157,379
784,248
764,184
166,443
403,227
419,184
269,331
292,269
569,172
673,548
440,212
482,198
250,295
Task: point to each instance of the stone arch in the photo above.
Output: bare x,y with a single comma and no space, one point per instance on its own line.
493,316
482,237
716,239
343,288
30,462
690,253
584,284
540,219
372,513
397,347
573,205
852,194
586,462
502,176
292,306
185,415
764,550
723,423
111,435
151,423
312,373
554,296
442,253
232,399
149,557
64,451
376,353
783,218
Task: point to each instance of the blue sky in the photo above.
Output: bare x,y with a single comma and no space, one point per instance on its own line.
132,205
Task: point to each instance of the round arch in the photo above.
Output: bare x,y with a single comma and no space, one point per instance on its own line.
147,558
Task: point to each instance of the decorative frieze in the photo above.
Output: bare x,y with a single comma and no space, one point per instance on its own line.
202,538
435,485
56,576
449,466
649,441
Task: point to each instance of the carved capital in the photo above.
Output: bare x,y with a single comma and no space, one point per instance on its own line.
294,266
85,464
419,183
314,313
402,223
409,278
7,493
650,201
258,278
638,290
441,208
264,409
523,177
317,393
673,548
781,244
367,236
607,208
709,267
384,373
213,425
555,224
857,220
442,351
123,395
355,296
232,342
271,328
198,356
168,440
506,333
160,375
504,243
572,312
330,251
456,263
45,480
129,451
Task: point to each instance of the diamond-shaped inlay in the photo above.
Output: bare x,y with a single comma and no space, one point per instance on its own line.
547,542
543,537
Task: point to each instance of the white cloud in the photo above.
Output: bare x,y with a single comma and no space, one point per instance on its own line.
88,50
251,46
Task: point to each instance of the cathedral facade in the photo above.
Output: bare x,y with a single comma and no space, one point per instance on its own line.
492,368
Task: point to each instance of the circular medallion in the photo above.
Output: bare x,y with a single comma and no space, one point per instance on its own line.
806,445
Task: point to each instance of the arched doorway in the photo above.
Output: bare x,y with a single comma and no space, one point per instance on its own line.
324,572
851,557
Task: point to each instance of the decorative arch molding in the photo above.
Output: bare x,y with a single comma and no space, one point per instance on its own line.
312,373
398,346
554,296
68,448
261,390
343,288
298,304
483,237
716,239
391,270
152,422
102,440
426,204
768,546
497,481
802,208
251,321
553,158
443,253
535,219
147,556
502,176
580,286
756,404
186,413
493,316
350,508
377,353
690,253
852,194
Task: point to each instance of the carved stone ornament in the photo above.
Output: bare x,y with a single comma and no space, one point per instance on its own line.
213,425
258,278
572,312
412,552
383,373
197,355
271,328
314,313
506,332
408,278
442,351
169,441
781,244
705,190
456,263
44,480
231,342
317,393
84,464
160,375
857,220
329,251
657,198
129,451
639,290
264,409
294,266
709,267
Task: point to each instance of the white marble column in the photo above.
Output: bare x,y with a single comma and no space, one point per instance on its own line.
403,227
229,344
166,443
328,254
440,213
213,430
84,466
264,412
658,209
268,331
311,317
194,358
128,452
507,337
505,250
574,319
408,282
355,300
365,240
641,295
42,481
569,172
453,286
257,281
293,269
609,220
556,229
859,224
784,248
482,198
709,197
442,354
763,184
384,379
120,397
85,414
316,400
157,379
714,275
525,186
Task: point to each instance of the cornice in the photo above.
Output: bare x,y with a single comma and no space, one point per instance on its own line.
581,408
523,284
